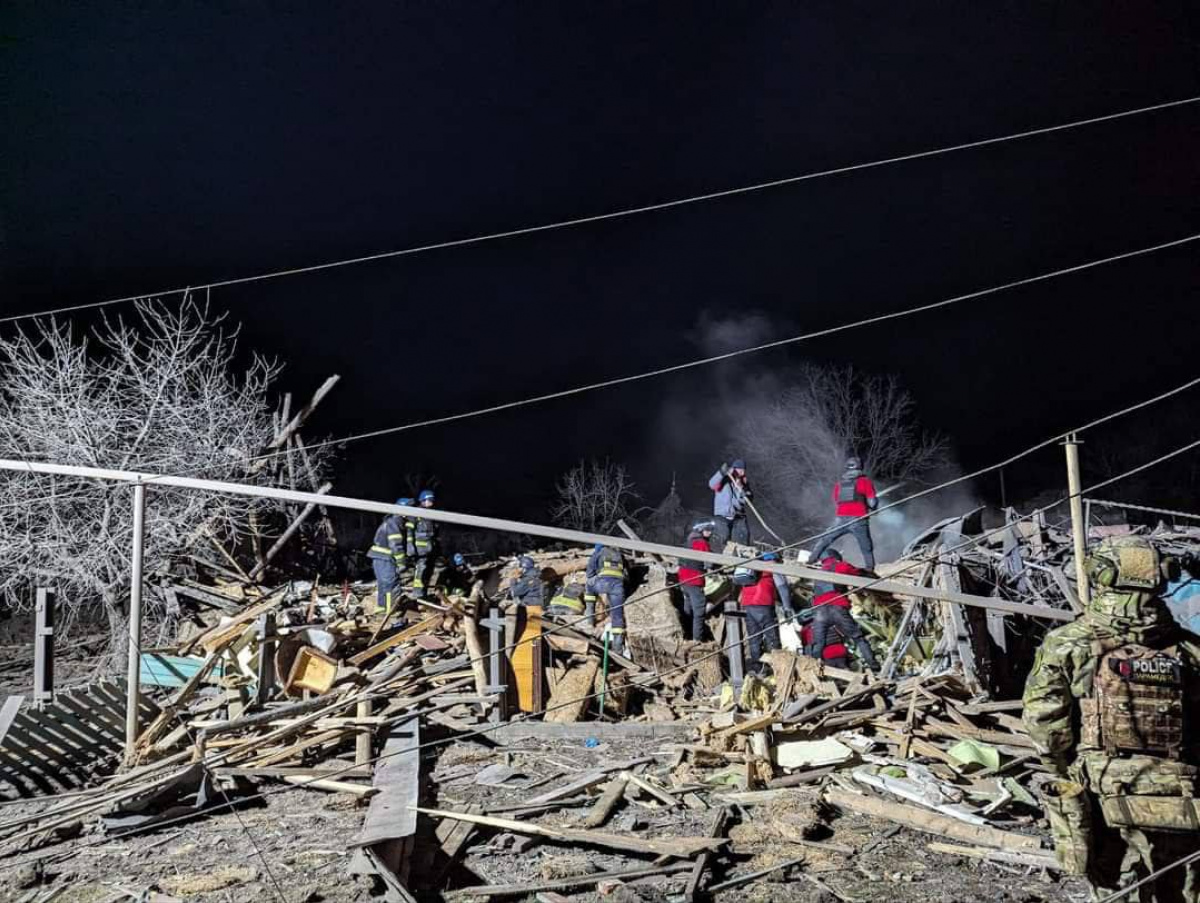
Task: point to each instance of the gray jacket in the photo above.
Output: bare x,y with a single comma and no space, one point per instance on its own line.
728,500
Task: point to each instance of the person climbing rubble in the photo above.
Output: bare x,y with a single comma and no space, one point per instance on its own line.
759,601
606,577
458,578
389,556
691,576
832,630
422,547
732,492
1112,705
528,589
854,499
567,604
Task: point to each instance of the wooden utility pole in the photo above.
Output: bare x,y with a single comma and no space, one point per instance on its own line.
1078,525
133,673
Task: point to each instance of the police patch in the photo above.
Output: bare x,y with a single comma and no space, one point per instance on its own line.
1161,670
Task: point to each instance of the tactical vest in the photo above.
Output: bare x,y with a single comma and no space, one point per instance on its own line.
691,563
1137,702
612,564
848,491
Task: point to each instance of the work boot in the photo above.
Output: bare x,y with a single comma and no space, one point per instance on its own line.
617,643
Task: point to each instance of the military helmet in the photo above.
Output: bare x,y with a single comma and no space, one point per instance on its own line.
1129,562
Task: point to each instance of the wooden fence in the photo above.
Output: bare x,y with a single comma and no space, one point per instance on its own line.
78,736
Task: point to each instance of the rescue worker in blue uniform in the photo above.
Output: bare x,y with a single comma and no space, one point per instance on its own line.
458,578
568,604
423,545
606,577
528,588
389,557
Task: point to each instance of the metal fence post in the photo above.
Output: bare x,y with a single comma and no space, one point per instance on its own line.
133,674
733,644
43,649
497,687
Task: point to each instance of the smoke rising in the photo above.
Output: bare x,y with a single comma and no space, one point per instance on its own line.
795,427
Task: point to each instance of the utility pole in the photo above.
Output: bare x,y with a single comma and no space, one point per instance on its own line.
133,674
1078,525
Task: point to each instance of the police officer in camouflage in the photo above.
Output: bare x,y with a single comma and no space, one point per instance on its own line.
1113,706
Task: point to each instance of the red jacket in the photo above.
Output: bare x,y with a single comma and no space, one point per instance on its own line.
855,507
832,650
760,593
837,595
691,576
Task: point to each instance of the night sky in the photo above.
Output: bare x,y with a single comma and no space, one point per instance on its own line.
148,147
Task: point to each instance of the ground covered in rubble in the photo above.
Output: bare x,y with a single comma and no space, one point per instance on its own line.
293,846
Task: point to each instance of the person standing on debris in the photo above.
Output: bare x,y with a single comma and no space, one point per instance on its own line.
854,499
758,604
731,494
528,588
606,577
389,557
423,545
833,626
1113,707
691,576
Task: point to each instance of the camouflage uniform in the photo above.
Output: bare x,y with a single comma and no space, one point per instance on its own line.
1125,810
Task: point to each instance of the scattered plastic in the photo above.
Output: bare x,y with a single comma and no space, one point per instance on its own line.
591,742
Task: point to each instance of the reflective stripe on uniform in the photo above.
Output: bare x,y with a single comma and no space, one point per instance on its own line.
383,549
609,571
567,602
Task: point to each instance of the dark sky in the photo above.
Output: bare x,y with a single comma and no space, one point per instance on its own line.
147,147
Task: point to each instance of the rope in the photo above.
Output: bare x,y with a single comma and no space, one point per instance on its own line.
627,211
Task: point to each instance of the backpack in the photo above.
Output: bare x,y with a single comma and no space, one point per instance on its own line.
848,491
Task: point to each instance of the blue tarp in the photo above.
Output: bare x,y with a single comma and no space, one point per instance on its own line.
1183,598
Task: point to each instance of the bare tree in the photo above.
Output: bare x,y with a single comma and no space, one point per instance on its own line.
798,441
158,394
593,496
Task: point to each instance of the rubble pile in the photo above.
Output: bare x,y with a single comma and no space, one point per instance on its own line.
482,750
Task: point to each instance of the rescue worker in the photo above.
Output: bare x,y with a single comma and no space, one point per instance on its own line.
1113,706
458,578
389,557
606,577
731,493
422,545
853,498
691,576
833,628
758,605
568,603
528,588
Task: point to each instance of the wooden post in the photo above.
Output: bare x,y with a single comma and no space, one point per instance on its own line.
287,534
266,658
43,649
733,644
362,740
133,673
497,686
1078,526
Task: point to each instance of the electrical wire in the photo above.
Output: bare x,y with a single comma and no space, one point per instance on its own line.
918,562
728,355
624,212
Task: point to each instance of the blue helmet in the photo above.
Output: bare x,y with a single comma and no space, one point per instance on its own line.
459,561
425,496
404,501
598,547
526,563
770,556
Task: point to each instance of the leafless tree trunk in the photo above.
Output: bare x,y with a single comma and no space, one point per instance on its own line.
593,496
798,442
160,394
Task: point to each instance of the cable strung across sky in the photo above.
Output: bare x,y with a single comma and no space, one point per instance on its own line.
716,358
617,214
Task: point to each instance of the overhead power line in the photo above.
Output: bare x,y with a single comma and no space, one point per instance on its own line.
624,212
753,349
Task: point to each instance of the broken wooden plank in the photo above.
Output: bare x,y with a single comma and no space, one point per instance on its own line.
933,823
680,847
430,623
1037,860
576,881
585,781
391,815
608,800
700,865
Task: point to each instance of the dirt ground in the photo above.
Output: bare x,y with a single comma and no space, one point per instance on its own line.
292,847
